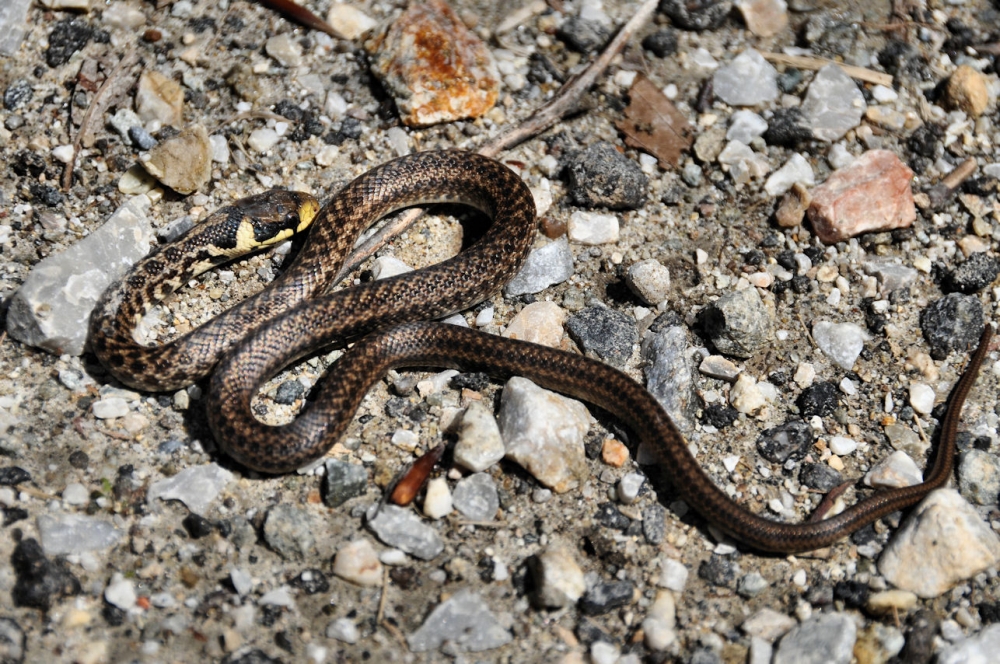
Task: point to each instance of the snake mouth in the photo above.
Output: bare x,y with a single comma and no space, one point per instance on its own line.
268,232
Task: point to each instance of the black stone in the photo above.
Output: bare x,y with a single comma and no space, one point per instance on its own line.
541,70
661,43
819,399
476,381
588,632
605,332
40,581
820,476
141,138
45,193
67,37
601,176
79,459
13,515
864,535
342,482
786,259
853,594
719,571
975,273
289,392
609,517
904,61
604,597
113,615
13,475
315,583
952,323
197,526
696,14
791,440
925,139
654,523
989,612
582,35
719,416
787,128
920,637
17,93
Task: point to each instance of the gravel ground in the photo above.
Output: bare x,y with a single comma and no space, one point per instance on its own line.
223,584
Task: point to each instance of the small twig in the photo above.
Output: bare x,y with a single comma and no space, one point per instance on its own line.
564,103
920,429
807,62
482,524
114,86
301,15
381,600
940,193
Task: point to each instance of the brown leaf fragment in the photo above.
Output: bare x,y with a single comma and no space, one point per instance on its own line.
654,124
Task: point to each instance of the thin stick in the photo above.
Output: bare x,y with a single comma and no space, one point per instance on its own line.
807,62
563,104
114,86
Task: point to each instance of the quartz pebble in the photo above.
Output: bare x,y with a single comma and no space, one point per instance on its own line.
942,541
546,266
343,629
768,624
968,91
764,18
65,534
833,105
841,342
121,593
402,529
660,622
748,80
795,171
922,398
558,578
159,99
476,497
650,280
197,486
479,443
591,228
358,563
451,76
896,470
981,647
871,194
437,499
543,432
539,322
978,477
465,621
824,639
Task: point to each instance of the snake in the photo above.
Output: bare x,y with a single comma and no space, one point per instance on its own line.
383,325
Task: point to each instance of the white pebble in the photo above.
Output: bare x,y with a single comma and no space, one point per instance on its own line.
109,408
922,398
842,446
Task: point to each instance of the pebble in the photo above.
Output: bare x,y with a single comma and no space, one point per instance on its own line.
973,274
110,408
284,49
629,486
744,126
791,440
52,307
890,601
743,163
738,323
905,439
654,524
451,78
159,100
745,396
967,90
719,570
558,579
546,266
476,497
289,530
650,280
538,322
121,592
280,596
942,542
581,35
184,162
749,80
590,228
833,104
543,432
764,18
437,499
952,323
751,584
922,398
841,342
978,477
659,626
73,534
40,582
606,596
465,621
896,470
795,171
196,486
981,648
768,624
76,494
661,43
404,530
824,639
871,194
479,443
716,366
263,139
242,581
842,446
14,475
600,176
358,563
792,209
819,476
343,481
605,333
669,376
343,629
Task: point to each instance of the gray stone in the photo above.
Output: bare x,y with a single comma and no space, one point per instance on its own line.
544,267
476,497
605,333
982,648
52,308
13,23
404,530
342,482
841,342
601,176
748,80
465,621
952,323
197,487
738,323
669,376
73,534
479,443
825,639
289,531
979,477
833,105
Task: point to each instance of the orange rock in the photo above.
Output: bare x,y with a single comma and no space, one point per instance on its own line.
435,68
871,194
614,453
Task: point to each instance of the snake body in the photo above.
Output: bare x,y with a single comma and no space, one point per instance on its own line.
379,318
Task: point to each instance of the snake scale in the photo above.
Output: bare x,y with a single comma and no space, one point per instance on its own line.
263,334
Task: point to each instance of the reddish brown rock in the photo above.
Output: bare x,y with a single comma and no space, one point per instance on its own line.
434,67
871,194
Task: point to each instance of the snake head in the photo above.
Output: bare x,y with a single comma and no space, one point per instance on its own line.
276,215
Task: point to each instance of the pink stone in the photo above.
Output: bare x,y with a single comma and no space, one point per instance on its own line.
871,194
436,69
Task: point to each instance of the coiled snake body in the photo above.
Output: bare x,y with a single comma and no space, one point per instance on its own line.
276,329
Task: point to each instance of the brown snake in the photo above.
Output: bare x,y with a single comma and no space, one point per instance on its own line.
348,315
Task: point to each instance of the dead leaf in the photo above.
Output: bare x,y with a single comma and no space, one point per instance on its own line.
653,124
